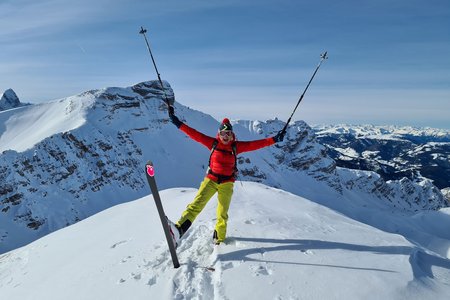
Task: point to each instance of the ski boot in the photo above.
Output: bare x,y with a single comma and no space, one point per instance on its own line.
215,238
174,232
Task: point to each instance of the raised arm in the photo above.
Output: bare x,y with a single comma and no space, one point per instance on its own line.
258,144
197,136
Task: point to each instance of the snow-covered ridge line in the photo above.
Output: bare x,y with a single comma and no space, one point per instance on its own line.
34,123
387,131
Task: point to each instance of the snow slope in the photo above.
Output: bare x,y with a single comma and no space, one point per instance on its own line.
23,130
279,246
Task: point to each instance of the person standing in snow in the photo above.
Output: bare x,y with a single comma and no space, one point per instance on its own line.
220,176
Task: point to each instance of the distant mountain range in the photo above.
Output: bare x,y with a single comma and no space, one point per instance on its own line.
391,151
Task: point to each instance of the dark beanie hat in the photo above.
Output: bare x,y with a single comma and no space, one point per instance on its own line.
225,125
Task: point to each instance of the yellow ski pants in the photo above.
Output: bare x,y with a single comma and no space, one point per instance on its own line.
207,189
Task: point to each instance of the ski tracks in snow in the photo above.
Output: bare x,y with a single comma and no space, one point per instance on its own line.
195,279
199,274
258,258
197,254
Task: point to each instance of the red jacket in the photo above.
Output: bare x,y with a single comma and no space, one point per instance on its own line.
223,159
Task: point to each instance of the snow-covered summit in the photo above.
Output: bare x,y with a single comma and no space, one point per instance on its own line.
9,100
23,129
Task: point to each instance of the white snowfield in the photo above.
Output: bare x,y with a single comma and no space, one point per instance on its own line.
26,126
279,246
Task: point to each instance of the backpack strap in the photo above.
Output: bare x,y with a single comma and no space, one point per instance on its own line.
220,177
233,147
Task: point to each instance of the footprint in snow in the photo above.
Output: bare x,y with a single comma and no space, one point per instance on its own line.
152,280
261,270
125,259
136,276
229,265
117,244
307,251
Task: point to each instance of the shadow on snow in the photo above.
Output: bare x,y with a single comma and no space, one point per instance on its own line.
421,262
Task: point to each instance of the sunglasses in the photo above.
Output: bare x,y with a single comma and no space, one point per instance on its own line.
226,133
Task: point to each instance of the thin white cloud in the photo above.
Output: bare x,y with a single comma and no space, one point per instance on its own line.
26,19
35,18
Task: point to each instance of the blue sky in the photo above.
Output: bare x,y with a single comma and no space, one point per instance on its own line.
389,61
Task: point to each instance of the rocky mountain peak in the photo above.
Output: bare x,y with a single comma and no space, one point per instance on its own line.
9,100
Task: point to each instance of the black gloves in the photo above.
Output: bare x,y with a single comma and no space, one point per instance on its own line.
279,137
174,119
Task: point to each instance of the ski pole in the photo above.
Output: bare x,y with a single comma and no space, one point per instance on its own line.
323,56
143,31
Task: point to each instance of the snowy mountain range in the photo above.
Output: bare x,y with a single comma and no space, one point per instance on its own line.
391,151
68,159
300,225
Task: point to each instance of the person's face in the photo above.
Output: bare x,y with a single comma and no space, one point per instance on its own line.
226,136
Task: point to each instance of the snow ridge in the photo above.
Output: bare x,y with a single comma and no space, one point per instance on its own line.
384,132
